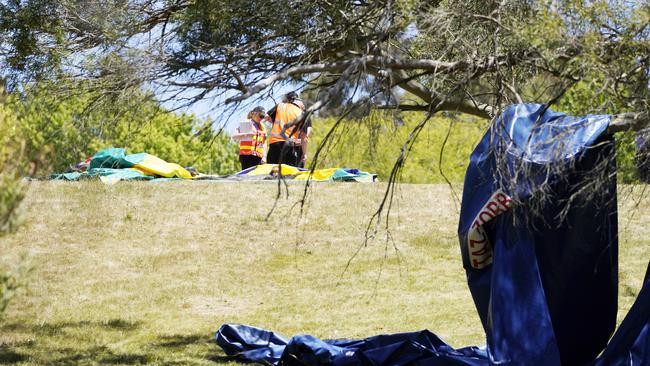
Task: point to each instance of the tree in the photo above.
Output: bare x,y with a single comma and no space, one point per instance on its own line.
472,57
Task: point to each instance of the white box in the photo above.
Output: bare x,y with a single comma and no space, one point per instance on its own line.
245,127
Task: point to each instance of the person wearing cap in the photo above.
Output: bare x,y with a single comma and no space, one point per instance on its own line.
284,143
251,135
303,124
305,134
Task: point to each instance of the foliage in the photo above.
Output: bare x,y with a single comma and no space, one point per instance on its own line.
586,97
31,35
452,55
11,156
627,169
12,193
13,281
373,143
64,131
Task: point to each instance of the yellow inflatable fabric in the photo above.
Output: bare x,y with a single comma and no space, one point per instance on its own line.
266,169
319,174
288,170
155,165
145,172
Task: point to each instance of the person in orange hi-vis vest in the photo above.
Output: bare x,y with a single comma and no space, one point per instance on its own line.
305,134
284,144
251,135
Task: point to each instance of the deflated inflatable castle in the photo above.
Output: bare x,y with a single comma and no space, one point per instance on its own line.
539,244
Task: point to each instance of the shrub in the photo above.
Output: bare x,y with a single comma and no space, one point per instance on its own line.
64,131
373,143
12,193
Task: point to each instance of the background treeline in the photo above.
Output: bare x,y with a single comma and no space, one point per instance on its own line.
373,143
57,132
53,133
441,152
439,155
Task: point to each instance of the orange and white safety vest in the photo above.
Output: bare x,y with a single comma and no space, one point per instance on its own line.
254,146
284,113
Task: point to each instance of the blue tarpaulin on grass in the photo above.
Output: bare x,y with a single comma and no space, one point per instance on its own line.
630,346
538,237
258,345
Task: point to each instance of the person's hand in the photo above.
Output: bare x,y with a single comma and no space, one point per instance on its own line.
304,158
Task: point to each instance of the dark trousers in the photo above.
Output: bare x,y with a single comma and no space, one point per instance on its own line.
283,153
248,161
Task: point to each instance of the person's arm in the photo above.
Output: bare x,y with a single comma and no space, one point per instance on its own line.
270,116
304,143
266,151
295,122
241,136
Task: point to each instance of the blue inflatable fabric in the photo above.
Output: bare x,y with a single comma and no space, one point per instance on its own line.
630,345
538,236
248,343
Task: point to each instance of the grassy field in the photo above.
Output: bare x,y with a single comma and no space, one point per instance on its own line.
144,273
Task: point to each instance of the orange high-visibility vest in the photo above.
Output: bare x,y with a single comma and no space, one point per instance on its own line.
284,113
254,146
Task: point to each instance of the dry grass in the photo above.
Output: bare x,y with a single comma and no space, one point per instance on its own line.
146,272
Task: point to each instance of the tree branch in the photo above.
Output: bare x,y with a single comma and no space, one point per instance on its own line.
380,62
628,122
431,97
405,107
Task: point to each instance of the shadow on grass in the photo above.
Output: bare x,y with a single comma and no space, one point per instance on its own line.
222,359
100,355
179,341
75,343
8,356
59,327
200,347
41,349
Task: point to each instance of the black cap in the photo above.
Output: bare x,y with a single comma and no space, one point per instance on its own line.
260,110
291,96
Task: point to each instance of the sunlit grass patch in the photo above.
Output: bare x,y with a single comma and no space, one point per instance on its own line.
141,273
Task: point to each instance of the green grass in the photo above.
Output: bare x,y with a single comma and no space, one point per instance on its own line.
144,273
